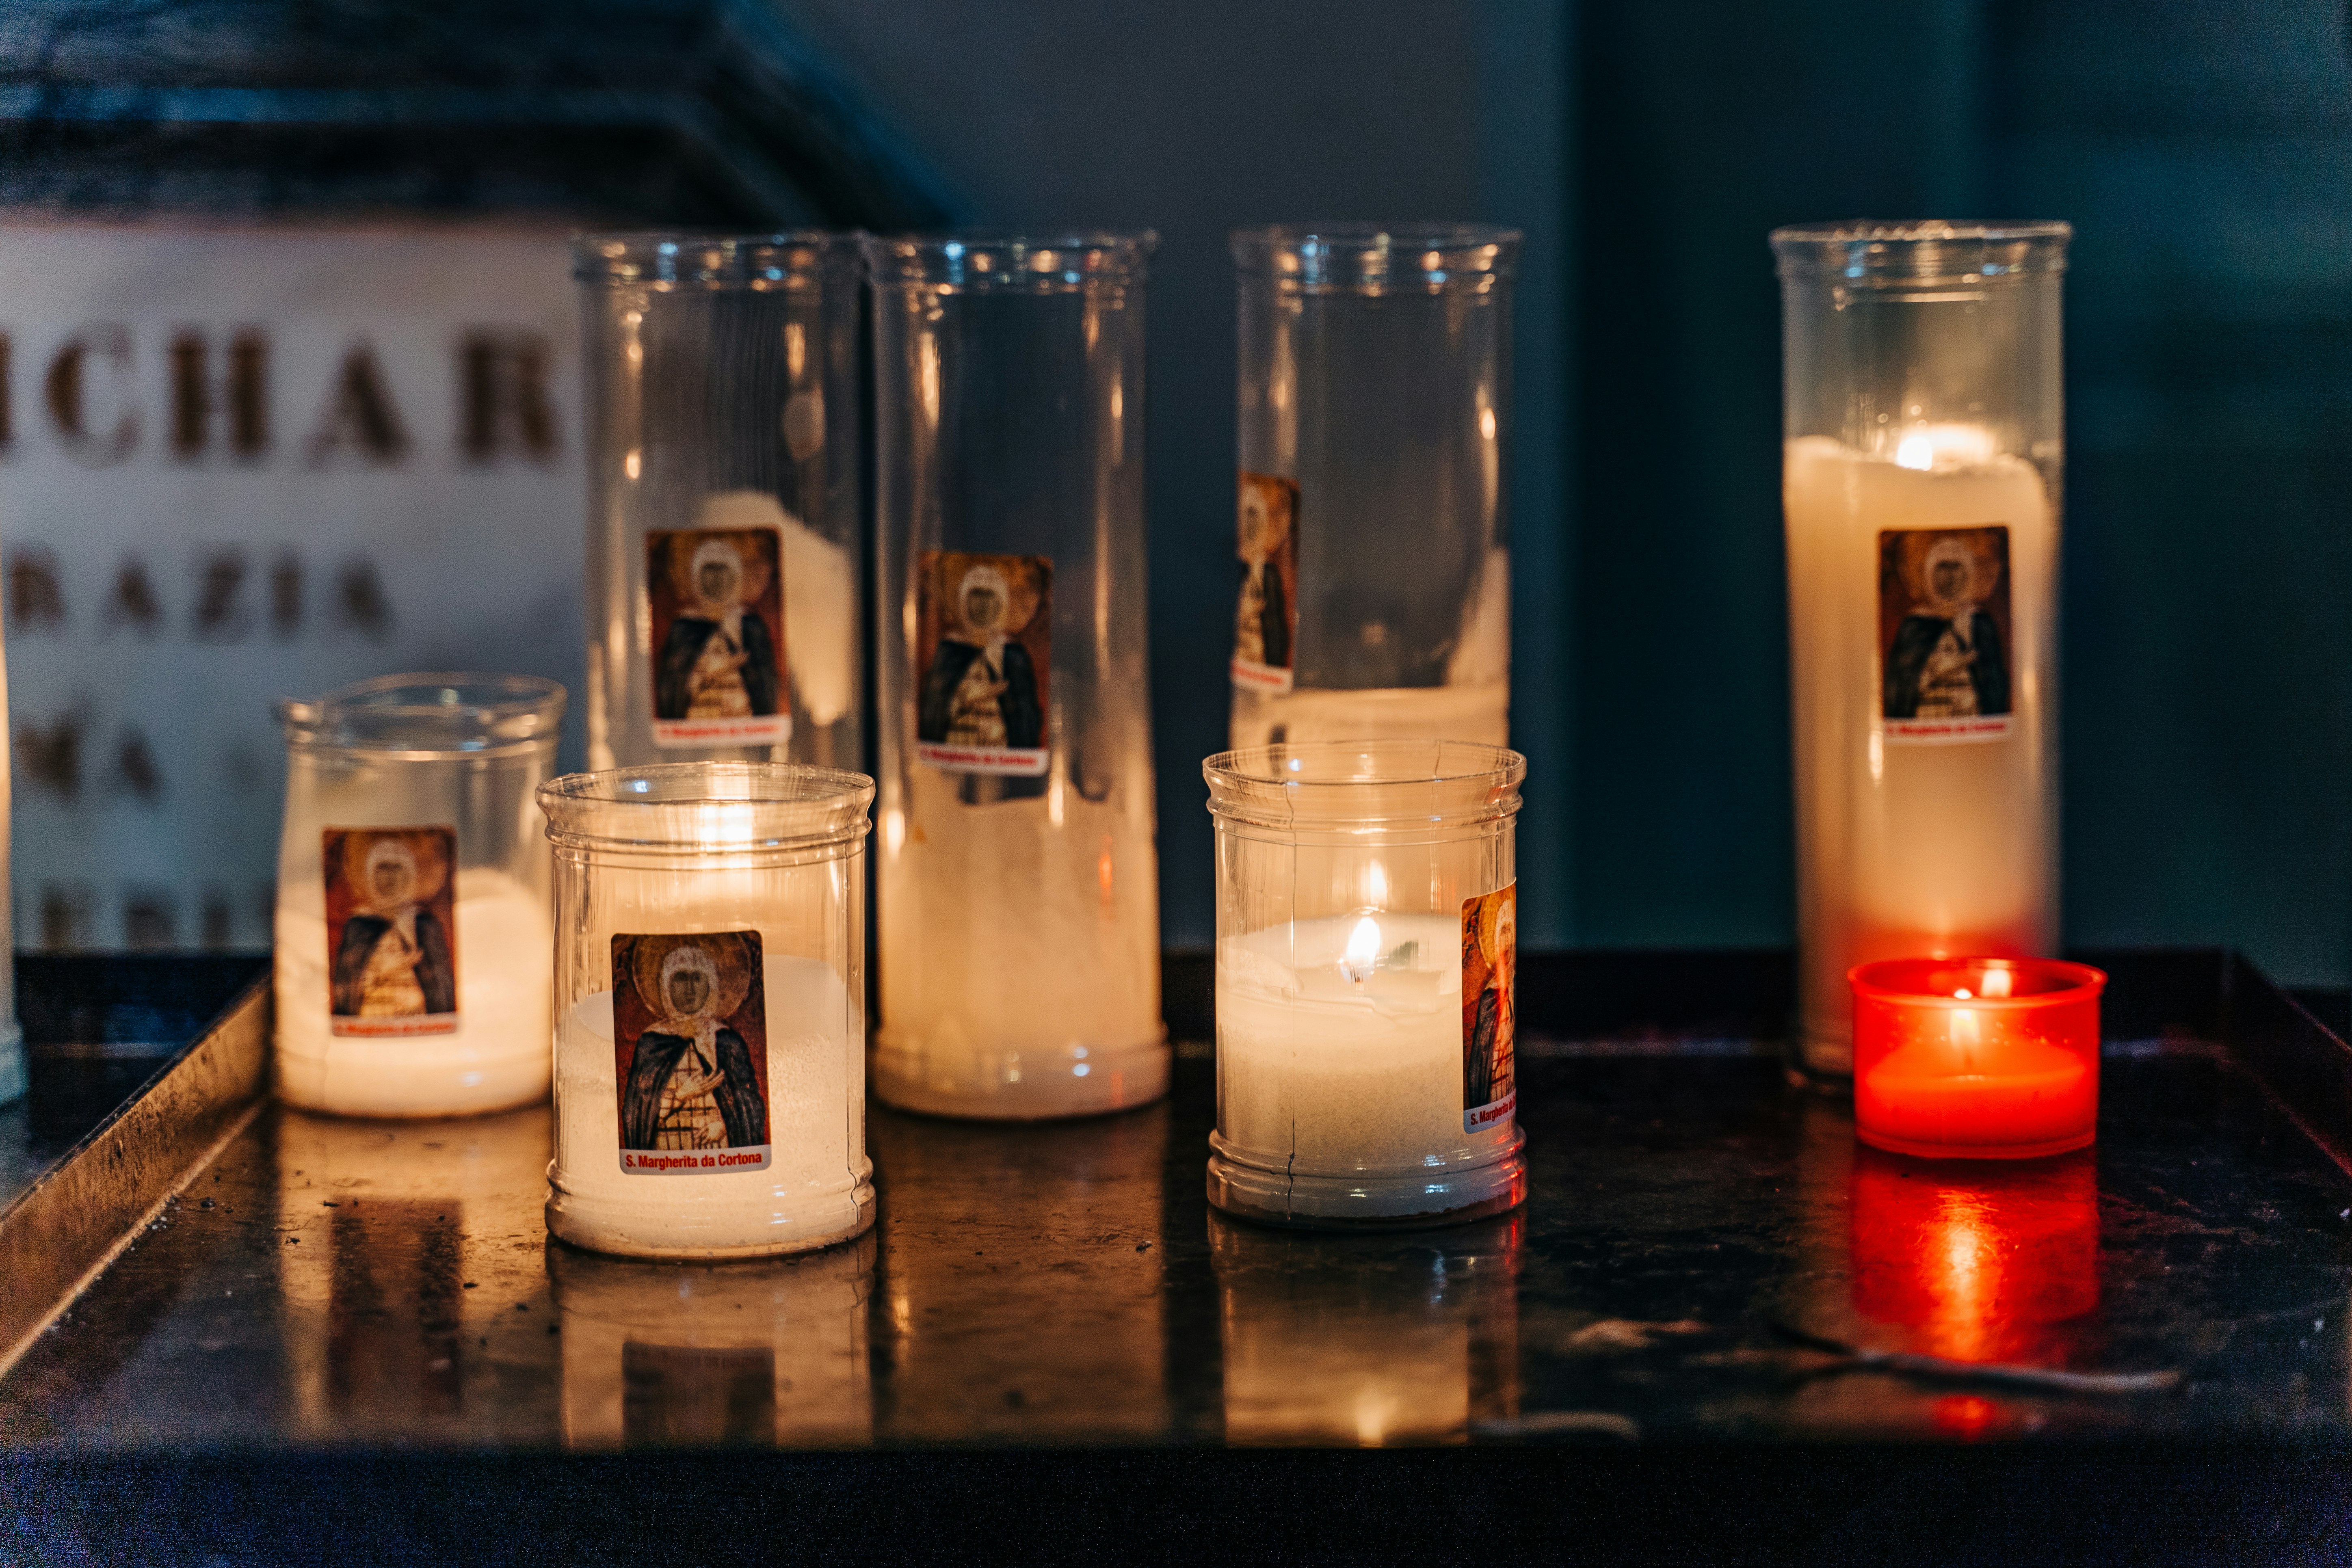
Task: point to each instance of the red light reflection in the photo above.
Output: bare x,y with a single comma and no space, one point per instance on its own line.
1979,1262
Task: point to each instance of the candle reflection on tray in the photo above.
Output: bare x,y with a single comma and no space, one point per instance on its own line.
1980,1266
755,1352
1363,1340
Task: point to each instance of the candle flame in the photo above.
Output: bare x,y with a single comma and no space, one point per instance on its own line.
1363,951
1998,982
1915,451
1962,994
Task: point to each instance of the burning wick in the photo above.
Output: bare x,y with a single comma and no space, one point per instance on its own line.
1363,951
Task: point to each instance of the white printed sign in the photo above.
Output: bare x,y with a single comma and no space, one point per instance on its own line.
238,463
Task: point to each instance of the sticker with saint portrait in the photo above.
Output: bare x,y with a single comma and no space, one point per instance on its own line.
1490,977
717,638
1945,634
690,1053
392,931
983,649
1265,612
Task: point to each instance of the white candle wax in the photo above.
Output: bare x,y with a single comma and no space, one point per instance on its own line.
1331,1060
1021,976
1910,847
810,1194
498,1057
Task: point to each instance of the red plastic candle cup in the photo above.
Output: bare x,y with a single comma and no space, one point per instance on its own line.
1976,1058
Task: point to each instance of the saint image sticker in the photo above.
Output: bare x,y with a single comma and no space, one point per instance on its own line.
1490,977
984,642
717,636
690,1053
1944,634
1266,614
392,931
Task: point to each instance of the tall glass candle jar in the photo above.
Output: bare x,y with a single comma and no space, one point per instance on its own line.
1367,970
709,993
1371,538
724,478
1019,881
412,933
1924,414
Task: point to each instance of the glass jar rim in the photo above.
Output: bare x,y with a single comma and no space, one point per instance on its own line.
664,258
1365,782
1912,252
428,713
1376,257
1915,982
984,261
708,809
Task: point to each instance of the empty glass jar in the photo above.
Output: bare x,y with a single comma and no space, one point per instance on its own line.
709,991
725,481
413,947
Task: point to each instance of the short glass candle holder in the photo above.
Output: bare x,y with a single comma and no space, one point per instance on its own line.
1367,959
1976,1058
709,985
412,926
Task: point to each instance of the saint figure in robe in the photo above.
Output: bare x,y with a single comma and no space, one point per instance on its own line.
1262,609
1947,660
392,960
1493,1029
691,1084
981,688
718,660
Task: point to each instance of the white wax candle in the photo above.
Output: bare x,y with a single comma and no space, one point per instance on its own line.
1020,974
809,1194
1908,847
1340,1050
498,1055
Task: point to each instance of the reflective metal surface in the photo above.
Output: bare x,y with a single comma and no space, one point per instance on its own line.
385,1284
129,1090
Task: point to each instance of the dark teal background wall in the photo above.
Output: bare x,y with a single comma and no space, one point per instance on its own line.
2204,153
2203,150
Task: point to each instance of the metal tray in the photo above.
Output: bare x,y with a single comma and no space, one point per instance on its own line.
1702,1239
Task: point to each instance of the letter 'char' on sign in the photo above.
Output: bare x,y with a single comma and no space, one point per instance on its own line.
244,463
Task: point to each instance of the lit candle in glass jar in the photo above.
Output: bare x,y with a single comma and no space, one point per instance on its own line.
1978,1058
1366,965
1924,417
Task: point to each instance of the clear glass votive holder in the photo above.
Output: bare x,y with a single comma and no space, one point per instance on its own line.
1366,982
413,946
1976,1058
709,988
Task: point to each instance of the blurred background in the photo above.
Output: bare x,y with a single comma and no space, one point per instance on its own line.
377,195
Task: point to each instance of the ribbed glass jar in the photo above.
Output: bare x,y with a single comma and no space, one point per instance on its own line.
711,1005
412,927
1366,983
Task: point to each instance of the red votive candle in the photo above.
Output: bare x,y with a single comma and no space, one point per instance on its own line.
1976,1058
